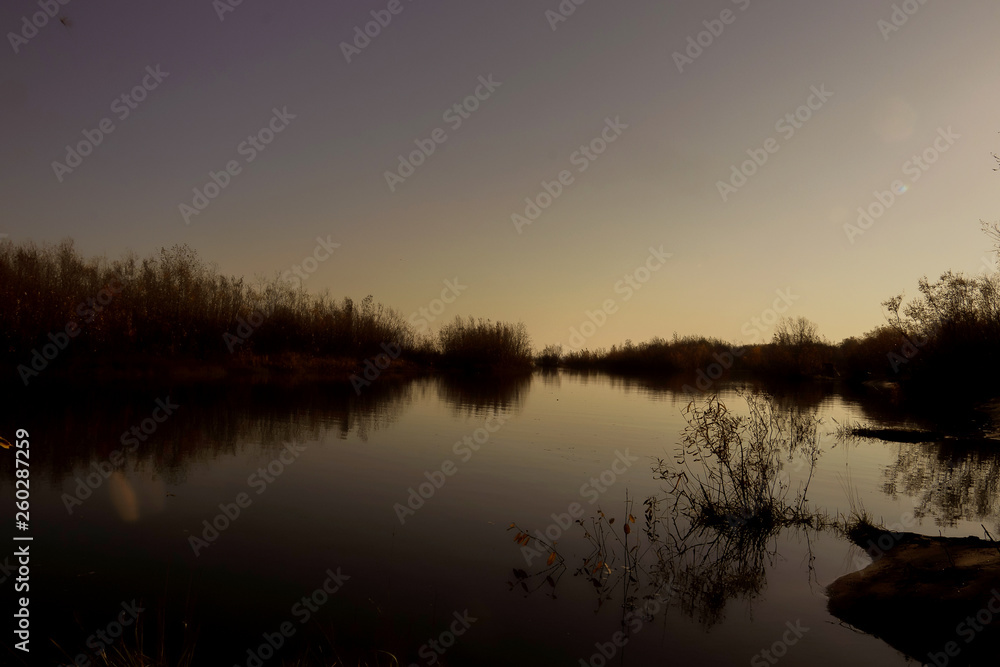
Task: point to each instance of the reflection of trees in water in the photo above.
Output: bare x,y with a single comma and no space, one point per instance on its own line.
676,389
212,420
482,395
950,481
84,425
551,377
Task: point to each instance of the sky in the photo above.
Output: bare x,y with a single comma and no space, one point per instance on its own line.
695,165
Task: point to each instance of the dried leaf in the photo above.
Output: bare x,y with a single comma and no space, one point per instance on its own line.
552,558
627,529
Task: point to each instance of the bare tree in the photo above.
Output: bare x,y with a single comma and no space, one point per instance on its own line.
797,331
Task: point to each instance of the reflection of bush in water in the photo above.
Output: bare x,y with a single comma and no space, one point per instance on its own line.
712,536
709,569
474,395
730,499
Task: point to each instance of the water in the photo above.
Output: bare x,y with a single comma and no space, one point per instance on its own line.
333,508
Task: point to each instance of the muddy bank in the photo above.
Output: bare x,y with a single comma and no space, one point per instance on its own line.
915,436
935,599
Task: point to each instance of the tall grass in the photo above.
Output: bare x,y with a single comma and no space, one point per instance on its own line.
172,303
473,344
690,354
657,355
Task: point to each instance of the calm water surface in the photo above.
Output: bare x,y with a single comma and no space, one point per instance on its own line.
330,507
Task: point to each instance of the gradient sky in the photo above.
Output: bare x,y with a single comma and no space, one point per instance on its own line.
656,185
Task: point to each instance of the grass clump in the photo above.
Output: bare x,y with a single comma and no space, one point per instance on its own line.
475,345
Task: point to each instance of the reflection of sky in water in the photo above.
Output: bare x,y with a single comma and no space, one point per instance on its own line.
333,507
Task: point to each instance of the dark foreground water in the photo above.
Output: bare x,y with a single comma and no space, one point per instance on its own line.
323,542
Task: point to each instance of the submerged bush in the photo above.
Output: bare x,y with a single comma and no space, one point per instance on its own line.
729,470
